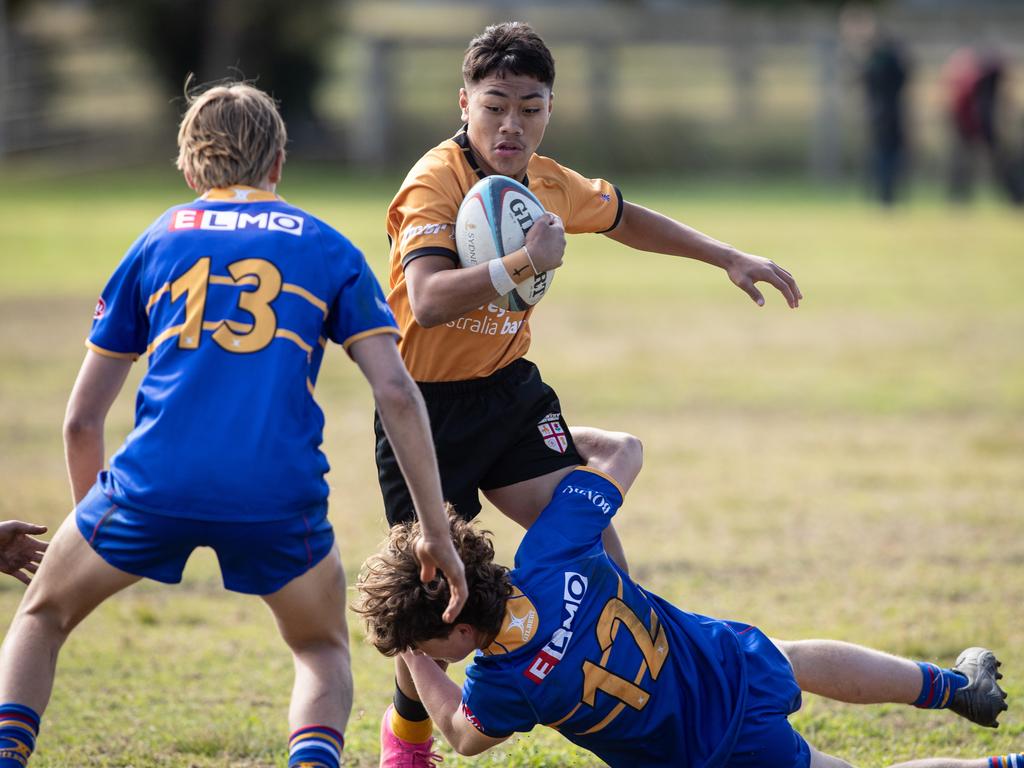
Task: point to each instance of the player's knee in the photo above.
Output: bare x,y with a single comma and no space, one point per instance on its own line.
47,616
322,637
632,448
795,651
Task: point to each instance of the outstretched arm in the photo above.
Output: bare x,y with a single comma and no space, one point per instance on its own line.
443,701
648,230
99,380
404,417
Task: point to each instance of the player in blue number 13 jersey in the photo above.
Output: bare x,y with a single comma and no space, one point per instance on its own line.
232,297
566,639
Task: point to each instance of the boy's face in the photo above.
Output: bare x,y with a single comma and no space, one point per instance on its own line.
507,116
461,642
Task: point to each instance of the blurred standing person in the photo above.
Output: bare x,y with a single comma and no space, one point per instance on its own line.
975,81
883,71
885,77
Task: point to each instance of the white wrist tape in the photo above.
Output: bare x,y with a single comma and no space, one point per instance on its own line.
500,278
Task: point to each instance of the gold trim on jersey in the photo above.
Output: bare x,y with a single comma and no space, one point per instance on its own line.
167,334
292,288
609,478
240,193
155,297
365,334
109,353
298,290
228,280
284,333
236,326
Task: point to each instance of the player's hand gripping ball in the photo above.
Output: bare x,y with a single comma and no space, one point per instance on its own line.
493,221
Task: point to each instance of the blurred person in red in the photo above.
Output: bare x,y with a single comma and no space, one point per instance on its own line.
975,82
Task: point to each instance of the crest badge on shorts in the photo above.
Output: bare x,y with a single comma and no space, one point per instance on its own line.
551,429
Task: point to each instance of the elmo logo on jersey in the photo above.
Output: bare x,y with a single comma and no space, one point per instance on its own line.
101,309
553,651
551,429
232,221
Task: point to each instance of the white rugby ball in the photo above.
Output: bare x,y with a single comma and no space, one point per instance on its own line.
493,221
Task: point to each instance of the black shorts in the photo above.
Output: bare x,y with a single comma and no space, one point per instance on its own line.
488,433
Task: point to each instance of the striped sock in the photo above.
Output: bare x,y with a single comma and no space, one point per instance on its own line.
938,686
19,726
1007,761
413,731
315,746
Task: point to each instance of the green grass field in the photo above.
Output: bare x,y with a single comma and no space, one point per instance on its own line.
852,469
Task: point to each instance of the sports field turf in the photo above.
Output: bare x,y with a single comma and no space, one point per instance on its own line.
852,469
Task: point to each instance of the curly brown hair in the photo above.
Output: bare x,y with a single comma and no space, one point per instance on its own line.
401,611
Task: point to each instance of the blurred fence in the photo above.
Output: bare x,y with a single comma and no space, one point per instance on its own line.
655,86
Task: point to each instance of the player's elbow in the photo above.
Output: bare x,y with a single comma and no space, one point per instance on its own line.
396,394
79,426
427,312
470,747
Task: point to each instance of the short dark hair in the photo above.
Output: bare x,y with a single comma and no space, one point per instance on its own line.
401,611
509,48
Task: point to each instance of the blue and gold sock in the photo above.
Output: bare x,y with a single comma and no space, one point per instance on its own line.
938,686
1007,761
19,726
314,746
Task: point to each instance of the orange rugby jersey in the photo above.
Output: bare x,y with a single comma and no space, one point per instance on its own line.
421,222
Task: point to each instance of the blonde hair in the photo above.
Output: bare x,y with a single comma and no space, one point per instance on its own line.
230,134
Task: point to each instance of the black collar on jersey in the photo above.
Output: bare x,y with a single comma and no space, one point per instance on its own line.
462,139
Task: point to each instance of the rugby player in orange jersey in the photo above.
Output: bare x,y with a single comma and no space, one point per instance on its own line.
498,428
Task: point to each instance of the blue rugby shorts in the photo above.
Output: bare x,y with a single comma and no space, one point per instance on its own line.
766,739
255,558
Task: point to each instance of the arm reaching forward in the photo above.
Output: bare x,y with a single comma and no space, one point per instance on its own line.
648,230
404,417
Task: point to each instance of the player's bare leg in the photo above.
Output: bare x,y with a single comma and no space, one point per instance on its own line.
950,762
310,614
860,675
821,760
852,673
72,580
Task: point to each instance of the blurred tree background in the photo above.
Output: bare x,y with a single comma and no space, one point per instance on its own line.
280,46
726,87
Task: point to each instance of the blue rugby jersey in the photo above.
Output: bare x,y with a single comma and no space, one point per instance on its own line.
583,649
233,297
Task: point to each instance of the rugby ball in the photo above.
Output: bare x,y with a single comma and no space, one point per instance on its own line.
493,221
